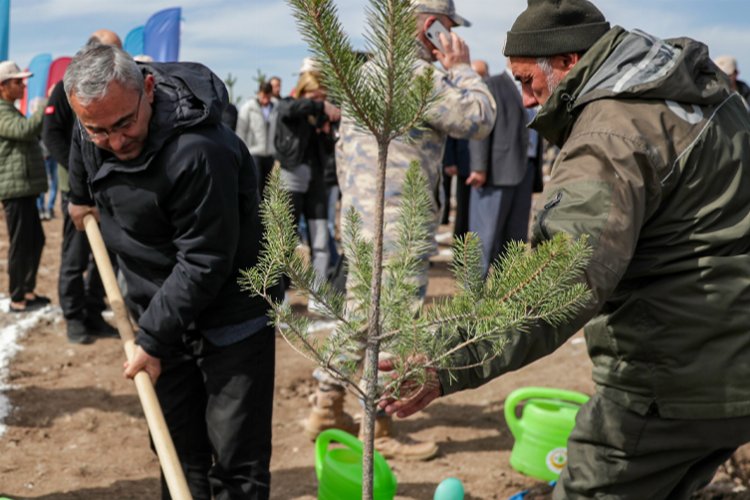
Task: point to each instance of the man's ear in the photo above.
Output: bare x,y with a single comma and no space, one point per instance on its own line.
148,87
428,22
565,62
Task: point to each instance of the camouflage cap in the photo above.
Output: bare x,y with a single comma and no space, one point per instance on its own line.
445,7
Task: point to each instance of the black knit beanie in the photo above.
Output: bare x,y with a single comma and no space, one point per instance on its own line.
551,27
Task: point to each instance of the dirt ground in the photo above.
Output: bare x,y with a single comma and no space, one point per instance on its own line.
77,431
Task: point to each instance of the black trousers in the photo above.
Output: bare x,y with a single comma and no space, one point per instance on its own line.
218,403
264,165
446,208
26,245
463,192
463,195
79,285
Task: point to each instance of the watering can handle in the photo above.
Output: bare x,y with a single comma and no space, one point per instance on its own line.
519,395
339,436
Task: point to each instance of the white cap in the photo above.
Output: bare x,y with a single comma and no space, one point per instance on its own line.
727,64
309,64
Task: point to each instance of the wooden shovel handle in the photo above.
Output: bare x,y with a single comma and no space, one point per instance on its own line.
170,464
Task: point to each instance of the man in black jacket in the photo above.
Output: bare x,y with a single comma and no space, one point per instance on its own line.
79,286
177,197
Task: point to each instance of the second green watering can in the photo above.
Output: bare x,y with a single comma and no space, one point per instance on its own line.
339,469
541,434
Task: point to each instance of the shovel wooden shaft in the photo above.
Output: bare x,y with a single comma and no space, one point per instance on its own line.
170,464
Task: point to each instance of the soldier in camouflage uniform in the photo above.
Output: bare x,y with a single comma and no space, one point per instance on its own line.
464,109
654,167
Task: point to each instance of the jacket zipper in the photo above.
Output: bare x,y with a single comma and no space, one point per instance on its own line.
547,207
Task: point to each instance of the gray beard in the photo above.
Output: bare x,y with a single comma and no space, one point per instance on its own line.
553,81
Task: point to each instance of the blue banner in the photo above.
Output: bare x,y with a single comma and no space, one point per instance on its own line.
161,36
4,28
134,41
36,85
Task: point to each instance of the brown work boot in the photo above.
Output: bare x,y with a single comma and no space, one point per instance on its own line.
404,448
328,412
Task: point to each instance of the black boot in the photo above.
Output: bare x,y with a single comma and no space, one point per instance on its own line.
98,327
77,333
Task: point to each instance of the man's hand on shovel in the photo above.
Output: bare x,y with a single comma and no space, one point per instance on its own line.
142,361
79,212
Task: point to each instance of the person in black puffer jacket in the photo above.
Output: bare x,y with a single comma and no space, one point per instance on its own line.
304,145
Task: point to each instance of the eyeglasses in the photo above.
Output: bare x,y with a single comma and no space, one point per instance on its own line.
101,134
17,81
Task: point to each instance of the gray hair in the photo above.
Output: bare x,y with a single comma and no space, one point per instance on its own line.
93,68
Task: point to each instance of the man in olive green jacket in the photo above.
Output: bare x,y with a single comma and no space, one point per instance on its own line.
22,178
655,168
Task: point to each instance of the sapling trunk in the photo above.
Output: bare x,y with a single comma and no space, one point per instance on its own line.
373,329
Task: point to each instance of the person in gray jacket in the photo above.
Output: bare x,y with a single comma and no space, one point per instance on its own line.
22,179
255,130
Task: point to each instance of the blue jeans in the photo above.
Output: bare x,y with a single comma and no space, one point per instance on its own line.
50,166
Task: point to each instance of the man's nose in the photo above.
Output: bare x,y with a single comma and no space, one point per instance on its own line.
529,101
116,141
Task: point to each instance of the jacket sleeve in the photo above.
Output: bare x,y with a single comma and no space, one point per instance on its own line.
598,188
15,126
479,154
79,193
204,210
465,108
57,126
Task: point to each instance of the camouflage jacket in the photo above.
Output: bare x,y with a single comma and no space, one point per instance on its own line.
655,168
464,109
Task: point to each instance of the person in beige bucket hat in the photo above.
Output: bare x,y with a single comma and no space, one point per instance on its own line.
10,70
22,178
728,64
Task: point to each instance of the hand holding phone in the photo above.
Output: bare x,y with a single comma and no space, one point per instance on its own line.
433,34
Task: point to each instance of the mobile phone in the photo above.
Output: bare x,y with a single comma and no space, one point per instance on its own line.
433,34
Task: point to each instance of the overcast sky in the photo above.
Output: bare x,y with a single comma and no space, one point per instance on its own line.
243,37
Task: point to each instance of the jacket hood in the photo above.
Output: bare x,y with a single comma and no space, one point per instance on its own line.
632,65
185,95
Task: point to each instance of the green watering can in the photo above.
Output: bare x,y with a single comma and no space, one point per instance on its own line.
541,434
339,470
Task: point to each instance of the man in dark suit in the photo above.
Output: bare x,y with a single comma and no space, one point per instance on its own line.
79,286
501,177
